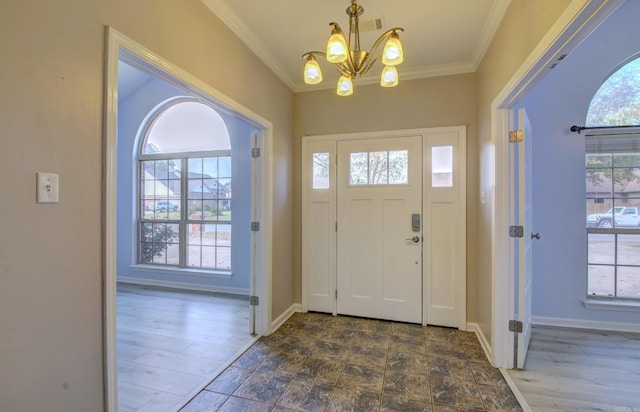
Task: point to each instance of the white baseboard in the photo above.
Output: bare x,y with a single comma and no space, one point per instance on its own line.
183,285
280,320
474,327
586,324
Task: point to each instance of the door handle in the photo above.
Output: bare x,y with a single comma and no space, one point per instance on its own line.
415,239
535,236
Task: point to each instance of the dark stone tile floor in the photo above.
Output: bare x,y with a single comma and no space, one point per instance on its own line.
318,362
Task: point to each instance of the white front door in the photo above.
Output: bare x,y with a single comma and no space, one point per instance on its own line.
379,239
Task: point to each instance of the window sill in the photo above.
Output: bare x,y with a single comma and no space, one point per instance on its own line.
182,271
618,305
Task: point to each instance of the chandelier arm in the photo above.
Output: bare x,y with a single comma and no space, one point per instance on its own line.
342,69
314,53
348,64
365,69
384,36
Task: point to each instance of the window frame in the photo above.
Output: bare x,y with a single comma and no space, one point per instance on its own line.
620,138
184,221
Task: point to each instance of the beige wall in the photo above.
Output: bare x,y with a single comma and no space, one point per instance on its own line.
51,88
524,25
432,102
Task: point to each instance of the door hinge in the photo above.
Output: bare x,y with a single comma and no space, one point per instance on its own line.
516,231
255,226
254,300
255,152
336,294
515,326
336,226
516,136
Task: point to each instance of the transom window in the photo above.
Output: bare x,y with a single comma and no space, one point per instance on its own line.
613,187
184,202
389,167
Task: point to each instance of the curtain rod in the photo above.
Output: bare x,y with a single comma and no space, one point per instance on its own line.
578,129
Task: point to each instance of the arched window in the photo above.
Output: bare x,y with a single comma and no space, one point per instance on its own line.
184,186
613,186
617,101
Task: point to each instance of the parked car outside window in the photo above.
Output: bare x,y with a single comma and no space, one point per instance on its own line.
163,206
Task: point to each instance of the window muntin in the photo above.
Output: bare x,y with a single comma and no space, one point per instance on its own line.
184,204
389,167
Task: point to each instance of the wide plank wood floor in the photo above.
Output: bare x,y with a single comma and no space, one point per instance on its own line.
171,343
581,370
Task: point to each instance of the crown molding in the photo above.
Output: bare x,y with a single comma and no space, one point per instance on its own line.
491,25
233,21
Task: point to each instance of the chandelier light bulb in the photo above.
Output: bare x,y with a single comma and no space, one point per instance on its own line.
345,86
392,54
337,49
389,77
312,72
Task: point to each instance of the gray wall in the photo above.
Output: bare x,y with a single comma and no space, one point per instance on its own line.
559,101
132,111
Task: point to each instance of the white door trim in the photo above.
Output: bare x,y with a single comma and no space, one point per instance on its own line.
462,277
115,42
578,20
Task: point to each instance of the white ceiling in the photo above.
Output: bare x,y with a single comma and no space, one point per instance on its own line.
441,37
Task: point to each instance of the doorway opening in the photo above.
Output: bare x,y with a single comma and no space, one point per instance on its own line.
384,225
169,237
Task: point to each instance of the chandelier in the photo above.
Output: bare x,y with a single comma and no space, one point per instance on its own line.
352,62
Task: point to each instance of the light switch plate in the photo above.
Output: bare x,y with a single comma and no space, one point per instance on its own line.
47,187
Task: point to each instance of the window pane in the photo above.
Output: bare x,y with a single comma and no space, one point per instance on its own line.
378,168
398,167
160,189
600,213
442,166
598,160
210,209
210,188
187,127
320,171
626,160
629,250
602,248
358,169
195,166
224,166
210,166
601,280
628,217
223,258
616,101
223,235
195,210
626,182
629,282
159,243
598,183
